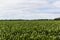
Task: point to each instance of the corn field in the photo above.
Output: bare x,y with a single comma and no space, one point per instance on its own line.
29,30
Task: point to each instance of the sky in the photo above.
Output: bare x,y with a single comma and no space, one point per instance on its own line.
29,9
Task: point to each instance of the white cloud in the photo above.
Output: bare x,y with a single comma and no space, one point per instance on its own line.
57,4
28,9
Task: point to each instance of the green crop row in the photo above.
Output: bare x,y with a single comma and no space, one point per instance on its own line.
29,30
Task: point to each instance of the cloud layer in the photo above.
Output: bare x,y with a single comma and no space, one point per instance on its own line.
29,9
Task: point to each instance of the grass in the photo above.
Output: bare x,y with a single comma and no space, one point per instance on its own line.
29,30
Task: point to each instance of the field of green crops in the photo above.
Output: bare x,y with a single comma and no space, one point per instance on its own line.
29,30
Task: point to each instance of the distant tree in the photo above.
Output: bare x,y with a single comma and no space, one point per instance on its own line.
57,19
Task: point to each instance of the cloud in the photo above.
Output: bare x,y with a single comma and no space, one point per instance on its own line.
57,4
29,9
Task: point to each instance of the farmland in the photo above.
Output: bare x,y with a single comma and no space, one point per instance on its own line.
29,30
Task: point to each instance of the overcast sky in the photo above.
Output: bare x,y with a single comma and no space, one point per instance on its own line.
29,9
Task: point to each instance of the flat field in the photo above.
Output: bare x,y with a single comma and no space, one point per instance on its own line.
29,30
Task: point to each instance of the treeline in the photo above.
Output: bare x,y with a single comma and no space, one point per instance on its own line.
57,19
30,20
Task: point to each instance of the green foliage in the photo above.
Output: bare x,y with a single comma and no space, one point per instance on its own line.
29,30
